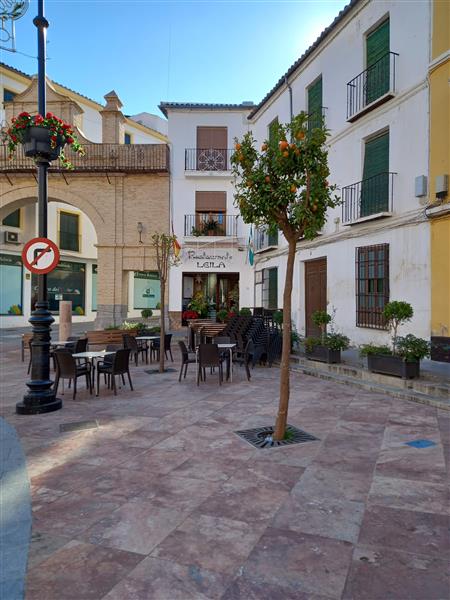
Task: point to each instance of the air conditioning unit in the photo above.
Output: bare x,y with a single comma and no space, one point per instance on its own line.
12,237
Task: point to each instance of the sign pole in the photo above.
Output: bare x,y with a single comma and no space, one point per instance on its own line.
41,397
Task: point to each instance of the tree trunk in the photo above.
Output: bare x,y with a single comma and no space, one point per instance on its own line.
280,427
162,326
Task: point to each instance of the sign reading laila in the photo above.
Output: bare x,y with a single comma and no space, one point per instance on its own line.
204,260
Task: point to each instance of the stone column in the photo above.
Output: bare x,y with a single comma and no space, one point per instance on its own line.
113,121
65,319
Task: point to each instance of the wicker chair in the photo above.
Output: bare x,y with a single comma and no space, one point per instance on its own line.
185,360
119,365
67,368
167,348
209,356
135,349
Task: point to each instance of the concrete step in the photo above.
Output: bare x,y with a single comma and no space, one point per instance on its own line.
423,390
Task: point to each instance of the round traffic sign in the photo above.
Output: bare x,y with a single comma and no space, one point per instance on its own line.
40,255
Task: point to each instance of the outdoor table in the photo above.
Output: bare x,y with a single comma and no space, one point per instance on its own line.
147,337
91,356
62,343
221,347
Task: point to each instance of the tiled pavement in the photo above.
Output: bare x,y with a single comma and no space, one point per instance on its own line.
165,502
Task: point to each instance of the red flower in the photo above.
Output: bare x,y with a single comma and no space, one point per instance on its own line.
49,115
38,119
24,114
69,140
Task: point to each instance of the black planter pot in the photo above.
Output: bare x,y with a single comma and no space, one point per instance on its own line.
324,354
37,144
393,365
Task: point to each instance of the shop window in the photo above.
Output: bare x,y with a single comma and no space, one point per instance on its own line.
13,219
66,282
10,284
270,288
372,285
94,287
147,289
69,237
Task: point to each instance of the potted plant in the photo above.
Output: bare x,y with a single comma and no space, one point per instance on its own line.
199,304
211,227
402,359
42,137
146,313
245,312
222,315
189,315
328,347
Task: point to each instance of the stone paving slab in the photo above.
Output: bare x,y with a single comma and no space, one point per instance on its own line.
163,501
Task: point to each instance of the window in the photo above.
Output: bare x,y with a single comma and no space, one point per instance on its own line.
265,239
13,219
270,288
66,282
8,95
10,284
147,289
210,213
377,62
273,129
372,285
127,138
315,104
211,151
69,238
375,184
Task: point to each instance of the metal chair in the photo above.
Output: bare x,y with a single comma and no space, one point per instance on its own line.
119,365
155,347
244,356
67,368
209,356
185,360
130,342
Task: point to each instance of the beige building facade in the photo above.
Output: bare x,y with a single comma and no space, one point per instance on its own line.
115,186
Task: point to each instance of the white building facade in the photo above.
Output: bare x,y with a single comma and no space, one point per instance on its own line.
212,235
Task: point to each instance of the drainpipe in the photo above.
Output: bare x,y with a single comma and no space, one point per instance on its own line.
291,111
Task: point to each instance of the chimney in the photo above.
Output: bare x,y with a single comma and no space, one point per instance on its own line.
112,120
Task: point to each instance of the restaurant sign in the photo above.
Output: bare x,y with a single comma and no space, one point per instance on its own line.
203,259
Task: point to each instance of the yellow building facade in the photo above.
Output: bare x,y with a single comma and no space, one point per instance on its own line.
438,209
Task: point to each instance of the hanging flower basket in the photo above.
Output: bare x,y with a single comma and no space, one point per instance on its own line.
43,138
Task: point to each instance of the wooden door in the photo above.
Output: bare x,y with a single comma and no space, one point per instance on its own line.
315,292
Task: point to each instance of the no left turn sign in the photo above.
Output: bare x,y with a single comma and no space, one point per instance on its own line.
40,255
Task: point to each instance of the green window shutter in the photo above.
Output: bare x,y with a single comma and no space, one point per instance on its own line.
375,184
13,219
273,129
315,104
68,232
272,239
273,288
377,62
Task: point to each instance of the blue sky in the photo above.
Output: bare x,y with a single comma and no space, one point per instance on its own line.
148,51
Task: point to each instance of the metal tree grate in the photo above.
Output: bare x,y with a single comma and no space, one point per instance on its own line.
261,437
78,426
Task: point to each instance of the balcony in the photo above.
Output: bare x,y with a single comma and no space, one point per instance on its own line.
203,225
207,159
368,199
265,240
374,86
101,158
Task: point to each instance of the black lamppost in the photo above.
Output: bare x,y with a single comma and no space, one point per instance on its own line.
41,397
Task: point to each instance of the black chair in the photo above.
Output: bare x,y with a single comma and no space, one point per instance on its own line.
130,342
244,356
209,356
67,368
73,340
167,348
185,360
119,365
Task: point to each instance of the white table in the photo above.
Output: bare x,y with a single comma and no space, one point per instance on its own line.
91,356
147,337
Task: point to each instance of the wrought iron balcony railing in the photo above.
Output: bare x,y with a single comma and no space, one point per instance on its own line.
368,197
207,159
374,85
210,224
109,158
264,240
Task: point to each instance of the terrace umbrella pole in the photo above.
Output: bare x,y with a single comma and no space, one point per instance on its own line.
41,397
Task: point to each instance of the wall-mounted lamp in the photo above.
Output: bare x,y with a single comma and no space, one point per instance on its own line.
140,229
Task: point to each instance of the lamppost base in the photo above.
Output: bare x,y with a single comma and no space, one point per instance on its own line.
37,406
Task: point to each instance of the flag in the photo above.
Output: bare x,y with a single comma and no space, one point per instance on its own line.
251,250
176,248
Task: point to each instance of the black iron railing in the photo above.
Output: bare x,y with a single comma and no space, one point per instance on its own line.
210,224
371,85
368,197
207,159
131,158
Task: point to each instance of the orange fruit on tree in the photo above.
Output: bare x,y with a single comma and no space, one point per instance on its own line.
264,147
299,135
285,154
283,145
314,207
297,151
293,188
267,179
237,147
292,146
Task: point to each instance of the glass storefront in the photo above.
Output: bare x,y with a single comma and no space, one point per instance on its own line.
147,289
10,284
66,282
94,287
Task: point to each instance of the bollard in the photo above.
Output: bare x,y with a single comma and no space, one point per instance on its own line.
65,319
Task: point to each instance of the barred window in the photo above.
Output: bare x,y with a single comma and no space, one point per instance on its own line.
372,285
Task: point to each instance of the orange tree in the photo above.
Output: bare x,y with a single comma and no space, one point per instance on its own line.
285,187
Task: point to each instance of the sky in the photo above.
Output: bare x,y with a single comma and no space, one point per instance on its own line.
179,51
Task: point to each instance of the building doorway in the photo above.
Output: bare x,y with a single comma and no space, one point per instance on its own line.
315,292
220,290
